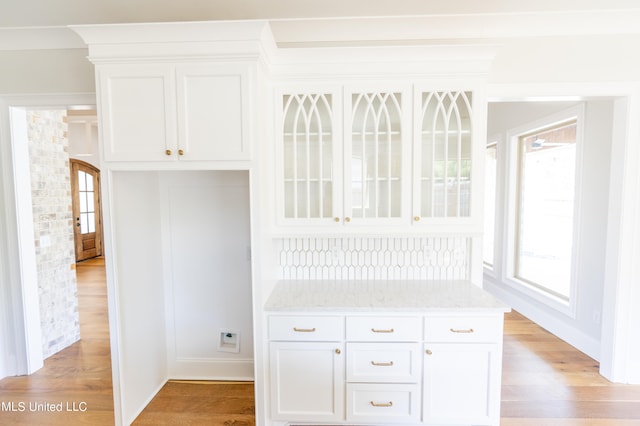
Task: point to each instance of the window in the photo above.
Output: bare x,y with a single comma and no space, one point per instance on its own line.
490,181
544,208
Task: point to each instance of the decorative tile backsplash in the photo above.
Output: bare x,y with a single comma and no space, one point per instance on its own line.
374,258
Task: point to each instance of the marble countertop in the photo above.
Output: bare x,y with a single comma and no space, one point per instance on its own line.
380,295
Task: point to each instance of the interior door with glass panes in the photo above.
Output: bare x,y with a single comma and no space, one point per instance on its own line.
87,223
309,157
377,148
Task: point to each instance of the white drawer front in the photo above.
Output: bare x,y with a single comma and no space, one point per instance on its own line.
380,404
383,362
306,328
462,329
384,329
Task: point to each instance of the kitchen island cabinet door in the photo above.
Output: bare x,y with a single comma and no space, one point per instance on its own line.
307,381
461,384
138,116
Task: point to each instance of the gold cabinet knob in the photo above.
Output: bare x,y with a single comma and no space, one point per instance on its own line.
338,351
180,152
168,152
347,219
428,352
336,219
416,218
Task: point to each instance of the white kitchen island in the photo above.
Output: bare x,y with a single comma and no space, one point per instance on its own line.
384,352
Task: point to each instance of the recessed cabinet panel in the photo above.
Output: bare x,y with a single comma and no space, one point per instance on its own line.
306,381
138,112
393,403
460,385
211,104
383,363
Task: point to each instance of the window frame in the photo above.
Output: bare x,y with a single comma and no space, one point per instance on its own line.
512,165
491,269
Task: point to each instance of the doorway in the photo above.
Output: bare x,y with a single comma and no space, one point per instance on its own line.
87,218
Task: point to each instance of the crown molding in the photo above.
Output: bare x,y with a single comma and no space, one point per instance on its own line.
363,31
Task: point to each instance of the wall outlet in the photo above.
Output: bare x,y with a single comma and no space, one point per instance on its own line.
229,341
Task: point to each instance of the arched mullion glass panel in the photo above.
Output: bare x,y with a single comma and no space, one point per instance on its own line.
307,156
446,154
376,155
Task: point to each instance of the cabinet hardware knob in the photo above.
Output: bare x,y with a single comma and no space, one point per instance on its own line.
382,364
336,219
469,330
376,330
428,352
304,330
381,404
180,152
347,219
416,218
168,152
338,351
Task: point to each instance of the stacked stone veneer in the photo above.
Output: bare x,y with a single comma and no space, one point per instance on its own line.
53,229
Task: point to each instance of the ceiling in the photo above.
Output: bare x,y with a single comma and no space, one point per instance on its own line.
34,24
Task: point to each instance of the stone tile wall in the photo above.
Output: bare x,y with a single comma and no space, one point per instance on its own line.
53,229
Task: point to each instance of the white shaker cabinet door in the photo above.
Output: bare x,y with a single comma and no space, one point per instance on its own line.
137,108
213,104
461,383
307,381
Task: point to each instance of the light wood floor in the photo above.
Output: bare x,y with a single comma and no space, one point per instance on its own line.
546,382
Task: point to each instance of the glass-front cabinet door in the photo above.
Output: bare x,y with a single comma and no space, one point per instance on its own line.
377,146
309,157
443,153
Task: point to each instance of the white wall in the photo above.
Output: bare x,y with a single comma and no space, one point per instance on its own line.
206,240
583,331
46,71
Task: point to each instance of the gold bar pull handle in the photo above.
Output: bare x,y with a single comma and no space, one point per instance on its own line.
382,364
378,330
304,330
381,404
467,330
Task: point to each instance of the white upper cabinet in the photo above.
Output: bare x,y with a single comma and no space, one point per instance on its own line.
343,169
350,157
158,112
445,157
137,107
178,91
377,148
213,105
308,156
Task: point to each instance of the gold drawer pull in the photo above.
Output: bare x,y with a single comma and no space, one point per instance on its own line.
180,152
304,330
382,404
469,330
376,330
168,152
338,351
382,364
